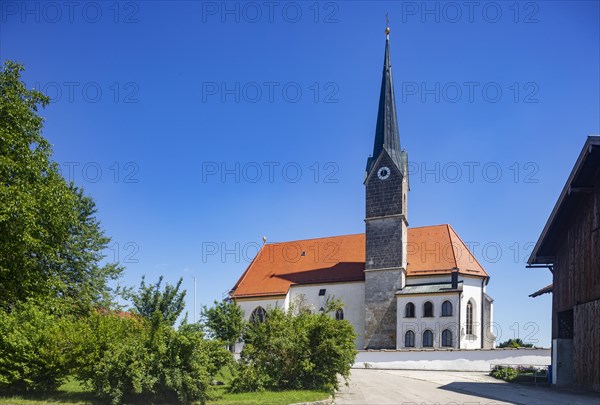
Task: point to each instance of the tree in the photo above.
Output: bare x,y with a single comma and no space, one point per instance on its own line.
224,321
51,243
296,349
514,343
160,305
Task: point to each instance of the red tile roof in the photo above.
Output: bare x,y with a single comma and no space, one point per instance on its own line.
432,250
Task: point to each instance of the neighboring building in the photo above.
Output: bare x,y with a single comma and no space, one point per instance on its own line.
570,247
402,287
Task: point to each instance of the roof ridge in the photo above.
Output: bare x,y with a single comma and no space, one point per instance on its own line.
426,226
322,237
348,234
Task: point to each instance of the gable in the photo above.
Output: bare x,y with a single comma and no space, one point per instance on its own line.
432,250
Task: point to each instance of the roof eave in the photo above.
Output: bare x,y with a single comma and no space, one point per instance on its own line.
545,290
591,142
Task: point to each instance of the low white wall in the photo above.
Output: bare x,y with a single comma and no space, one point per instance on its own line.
450,360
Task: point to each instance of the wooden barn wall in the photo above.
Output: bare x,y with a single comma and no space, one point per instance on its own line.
586,344
596,240
577,265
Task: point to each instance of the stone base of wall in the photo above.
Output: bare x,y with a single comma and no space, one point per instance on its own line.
450,359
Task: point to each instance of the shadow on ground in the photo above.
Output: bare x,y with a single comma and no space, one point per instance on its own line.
523,394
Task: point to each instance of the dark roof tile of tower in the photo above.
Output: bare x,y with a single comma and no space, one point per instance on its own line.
386,130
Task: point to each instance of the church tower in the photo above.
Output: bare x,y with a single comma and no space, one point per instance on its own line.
386,223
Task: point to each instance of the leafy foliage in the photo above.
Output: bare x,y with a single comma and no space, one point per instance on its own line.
122,356
514,343
295,350
50,240
186,364
520,374
110,354
162,305
224,321
34,348
504,373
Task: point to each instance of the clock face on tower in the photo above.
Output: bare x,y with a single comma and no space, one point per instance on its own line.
383,173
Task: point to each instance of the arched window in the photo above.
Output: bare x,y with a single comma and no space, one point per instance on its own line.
339,314
447,338
409,310
258,315
469,318
446,308
428,310
409,339
427,338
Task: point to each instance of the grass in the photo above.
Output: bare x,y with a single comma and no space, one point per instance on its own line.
271,398
73,393
262,398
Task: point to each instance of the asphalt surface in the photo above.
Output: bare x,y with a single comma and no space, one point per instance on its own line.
374,387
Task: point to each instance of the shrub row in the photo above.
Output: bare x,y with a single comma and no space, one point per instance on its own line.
116,355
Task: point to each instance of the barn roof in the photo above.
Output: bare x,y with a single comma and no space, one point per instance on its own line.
432,250
579,183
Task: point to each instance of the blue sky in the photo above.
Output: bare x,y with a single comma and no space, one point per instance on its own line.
200,127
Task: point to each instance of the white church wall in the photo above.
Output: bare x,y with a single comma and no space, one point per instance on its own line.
250,305
351,294
419,324
451,360
472,291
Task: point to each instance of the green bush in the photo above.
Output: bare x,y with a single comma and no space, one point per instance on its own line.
110,355
185,364
504,373
34,349
122,356
295,350
119,356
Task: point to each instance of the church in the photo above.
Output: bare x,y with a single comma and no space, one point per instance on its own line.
402,288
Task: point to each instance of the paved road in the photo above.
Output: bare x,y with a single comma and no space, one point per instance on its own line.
374,387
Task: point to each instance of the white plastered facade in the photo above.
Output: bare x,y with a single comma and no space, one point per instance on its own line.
352,295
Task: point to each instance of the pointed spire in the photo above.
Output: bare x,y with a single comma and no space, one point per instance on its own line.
386,131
